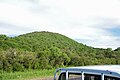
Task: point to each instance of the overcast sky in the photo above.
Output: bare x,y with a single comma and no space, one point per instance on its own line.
95,23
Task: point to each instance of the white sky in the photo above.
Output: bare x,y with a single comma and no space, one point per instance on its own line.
92,22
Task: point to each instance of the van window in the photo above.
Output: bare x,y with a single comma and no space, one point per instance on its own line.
75,76
92,77
62,76
78,76
71,76
111,78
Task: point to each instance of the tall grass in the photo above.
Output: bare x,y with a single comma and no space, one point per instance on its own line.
26,75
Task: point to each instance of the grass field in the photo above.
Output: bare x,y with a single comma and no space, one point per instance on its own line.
26,75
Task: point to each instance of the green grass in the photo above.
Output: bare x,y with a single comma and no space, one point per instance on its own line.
26,75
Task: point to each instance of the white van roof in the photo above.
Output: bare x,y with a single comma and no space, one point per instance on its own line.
112,68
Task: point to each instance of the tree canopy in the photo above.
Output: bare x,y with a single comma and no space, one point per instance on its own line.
46,50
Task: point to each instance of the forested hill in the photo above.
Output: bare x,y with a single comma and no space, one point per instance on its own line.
45,50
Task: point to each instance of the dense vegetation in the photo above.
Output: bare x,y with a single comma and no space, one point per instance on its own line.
46,50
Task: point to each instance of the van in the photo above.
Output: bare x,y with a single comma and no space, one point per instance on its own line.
97,72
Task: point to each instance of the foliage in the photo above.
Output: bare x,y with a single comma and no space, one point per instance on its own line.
46,50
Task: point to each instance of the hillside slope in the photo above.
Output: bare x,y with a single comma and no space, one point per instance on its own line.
43,50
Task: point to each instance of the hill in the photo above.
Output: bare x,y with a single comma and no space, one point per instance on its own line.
45,50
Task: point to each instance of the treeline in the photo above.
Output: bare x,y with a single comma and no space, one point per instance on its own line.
46,50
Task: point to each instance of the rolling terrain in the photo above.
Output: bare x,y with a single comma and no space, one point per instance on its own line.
47,50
